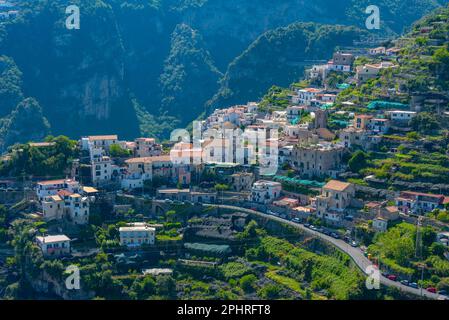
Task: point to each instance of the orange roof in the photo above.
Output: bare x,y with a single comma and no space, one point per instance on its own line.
165,158
64,193
312,90
105,137
337,185
49,182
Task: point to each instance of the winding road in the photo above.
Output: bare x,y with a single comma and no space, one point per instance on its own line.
355,253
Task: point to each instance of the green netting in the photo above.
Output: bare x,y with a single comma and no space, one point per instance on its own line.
307,183
210,248
343,86
296,120
327,106
376,105
341,122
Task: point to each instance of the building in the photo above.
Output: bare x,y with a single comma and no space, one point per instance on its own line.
320,119
265,192
371,71
353,137
287,203
410,202
379,125
66,205
341,62
136,235
294,112
54,246
101,167
305,96
335,197
377,51
318,72
141,169
380,224
147,147
401,116
240,181
52,187
103,142
317,160
361,121
187,195
53,208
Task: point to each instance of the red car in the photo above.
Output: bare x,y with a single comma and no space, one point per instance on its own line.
392,277
432,290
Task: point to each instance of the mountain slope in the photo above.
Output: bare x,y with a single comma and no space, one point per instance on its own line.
190,76
90,80
278,58
26,123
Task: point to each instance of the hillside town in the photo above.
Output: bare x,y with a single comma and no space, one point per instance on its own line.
357,164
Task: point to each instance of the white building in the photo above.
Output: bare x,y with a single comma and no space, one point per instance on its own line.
57,245
137,234
52,187
104,142
101,169
401,115
265,191
305,96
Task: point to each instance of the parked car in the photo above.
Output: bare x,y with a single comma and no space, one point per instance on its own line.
296,220
354,244
335,235
306,225
414,285
442,292
405,282
432,290
392,277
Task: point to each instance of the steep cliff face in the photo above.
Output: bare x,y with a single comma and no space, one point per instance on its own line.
76,75
190,76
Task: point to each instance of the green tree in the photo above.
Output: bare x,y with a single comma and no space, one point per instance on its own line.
115,150
358,161
247,282
269,292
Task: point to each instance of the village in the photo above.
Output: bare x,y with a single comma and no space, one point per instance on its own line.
330,151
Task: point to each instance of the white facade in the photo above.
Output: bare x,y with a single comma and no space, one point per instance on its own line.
305,96
52,187
265,191
101,166
57,245
399,115
136,235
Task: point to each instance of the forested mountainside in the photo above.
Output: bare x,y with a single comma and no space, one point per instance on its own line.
278,58
142,67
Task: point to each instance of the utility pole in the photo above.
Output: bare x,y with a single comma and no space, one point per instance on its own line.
418,250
